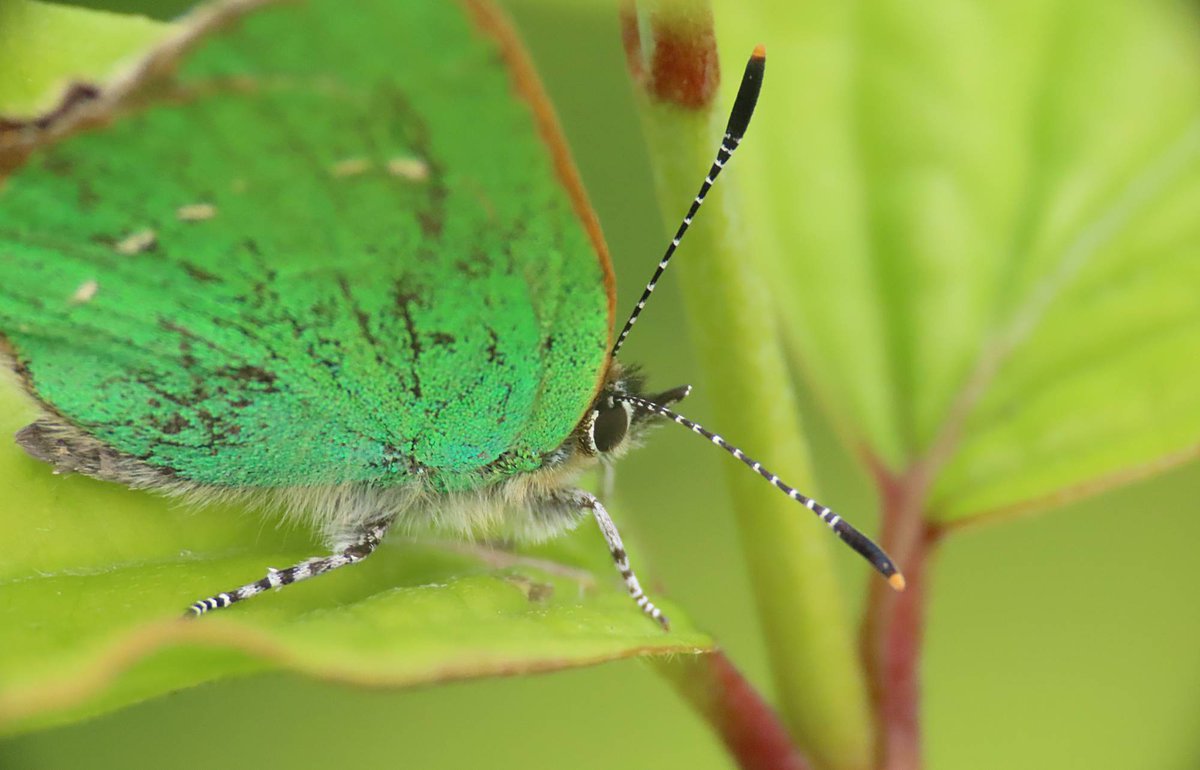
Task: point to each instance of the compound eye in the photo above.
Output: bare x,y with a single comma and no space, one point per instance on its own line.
610,426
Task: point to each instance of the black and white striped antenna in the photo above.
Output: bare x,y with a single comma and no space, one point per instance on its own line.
842,528
739,119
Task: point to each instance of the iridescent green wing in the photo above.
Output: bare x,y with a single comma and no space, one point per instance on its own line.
338,246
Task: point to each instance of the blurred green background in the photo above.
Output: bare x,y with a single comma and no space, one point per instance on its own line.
1056,641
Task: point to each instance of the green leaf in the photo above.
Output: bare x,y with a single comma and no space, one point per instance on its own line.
45,48
96,577
981,226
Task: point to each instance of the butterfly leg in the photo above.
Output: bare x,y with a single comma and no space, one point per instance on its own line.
620,558
355,551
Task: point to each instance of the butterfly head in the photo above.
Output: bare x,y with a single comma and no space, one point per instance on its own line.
614,424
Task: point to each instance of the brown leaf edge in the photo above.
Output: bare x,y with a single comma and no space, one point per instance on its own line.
28,707
88,104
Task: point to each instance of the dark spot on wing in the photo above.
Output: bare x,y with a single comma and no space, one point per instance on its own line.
198,274
405,298
432,215
494,355
364,321
251,375
174,425
186,359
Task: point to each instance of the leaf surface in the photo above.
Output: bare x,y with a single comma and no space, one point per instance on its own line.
982,223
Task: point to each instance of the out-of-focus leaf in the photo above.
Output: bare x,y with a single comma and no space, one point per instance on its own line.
982,221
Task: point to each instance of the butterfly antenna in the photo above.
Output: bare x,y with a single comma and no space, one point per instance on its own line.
739,119
842,528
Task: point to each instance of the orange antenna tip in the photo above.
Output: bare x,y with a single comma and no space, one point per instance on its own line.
760,51
896,581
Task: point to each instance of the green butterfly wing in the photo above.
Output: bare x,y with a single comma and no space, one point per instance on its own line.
325,251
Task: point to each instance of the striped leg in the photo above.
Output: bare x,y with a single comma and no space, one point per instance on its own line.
359,549
617,548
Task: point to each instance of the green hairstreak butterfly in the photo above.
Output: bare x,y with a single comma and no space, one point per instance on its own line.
274,262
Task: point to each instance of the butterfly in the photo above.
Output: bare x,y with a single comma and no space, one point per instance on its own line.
349,272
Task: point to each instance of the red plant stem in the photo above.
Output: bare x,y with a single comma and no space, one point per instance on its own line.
894,625
748,726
